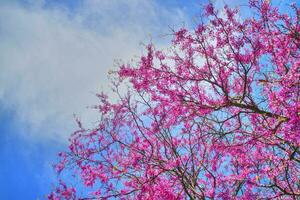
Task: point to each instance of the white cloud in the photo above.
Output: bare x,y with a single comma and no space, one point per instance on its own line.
52,61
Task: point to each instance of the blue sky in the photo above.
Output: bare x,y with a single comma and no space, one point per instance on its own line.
54,56
25,169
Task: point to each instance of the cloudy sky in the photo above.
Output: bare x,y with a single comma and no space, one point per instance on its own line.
54,57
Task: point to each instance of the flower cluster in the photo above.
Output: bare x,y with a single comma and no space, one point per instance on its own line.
216,117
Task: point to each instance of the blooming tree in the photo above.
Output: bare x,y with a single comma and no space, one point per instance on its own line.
216,116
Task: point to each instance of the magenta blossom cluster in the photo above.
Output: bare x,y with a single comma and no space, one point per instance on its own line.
216,116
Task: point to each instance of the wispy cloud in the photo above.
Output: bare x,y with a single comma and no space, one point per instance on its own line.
53,60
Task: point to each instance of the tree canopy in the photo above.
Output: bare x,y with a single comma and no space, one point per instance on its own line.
216,116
